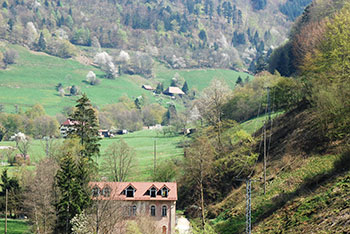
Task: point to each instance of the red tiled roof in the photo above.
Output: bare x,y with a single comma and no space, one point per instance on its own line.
141,188
69,122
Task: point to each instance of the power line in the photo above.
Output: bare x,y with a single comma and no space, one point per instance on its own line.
265,148
248,215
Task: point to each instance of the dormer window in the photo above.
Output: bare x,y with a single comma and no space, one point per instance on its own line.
153,192
130,191
106,191
164,192
96,191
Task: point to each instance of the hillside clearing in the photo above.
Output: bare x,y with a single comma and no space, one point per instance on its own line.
34,76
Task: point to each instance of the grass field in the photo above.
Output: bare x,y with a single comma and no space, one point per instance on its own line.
143,144
252,125
14,226
34,76
141,141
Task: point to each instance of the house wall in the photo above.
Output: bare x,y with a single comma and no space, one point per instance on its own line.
144,209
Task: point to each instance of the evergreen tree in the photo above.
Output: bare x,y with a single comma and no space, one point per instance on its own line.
185,88
159,88
42,42
14,192
5,4
86,127
73,90
239,81
73,192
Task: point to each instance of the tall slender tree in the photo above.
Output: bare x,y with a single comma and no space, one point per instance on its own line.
76,165
86,127
67,206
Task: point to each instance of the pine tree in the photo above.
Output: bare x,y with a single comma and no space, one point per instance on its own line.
14,192
185,88
86,127
159,88
72,193
239,81
42,42
73,90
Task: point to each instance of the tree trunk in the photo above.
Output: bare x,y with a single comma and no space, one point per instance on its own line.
202,203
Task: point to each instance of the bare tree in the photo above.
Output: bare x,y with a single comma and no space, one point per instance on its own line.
22,143
39,196
49,145
197,166
211,103
119,160
10,57
105,216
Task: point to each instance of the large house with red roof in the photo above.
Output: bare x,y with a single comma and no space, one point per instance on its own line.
156,200
67,126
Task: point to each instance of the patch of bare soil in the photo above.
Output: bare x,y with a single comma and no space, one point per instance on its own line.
84,60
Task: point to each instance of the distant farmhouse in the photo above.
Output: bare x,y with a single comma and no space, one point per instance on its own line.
156,200
171,91
105,133
147,87
67,126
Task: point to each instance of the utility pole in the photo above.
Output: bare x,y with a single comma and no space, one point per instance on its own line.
265,148
97,218
248,214
155,158
6,200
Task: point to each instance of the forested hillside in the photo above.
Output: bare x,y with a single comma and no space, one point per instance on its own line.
306,34
180,33
307,144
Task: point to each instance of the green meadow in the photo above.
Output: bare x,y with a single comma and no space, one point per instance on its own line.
142,142
167,148
32,79
14,226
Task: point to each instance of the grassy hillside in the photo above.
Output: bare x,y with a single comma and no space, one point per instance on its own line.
34,76
300,193
307,182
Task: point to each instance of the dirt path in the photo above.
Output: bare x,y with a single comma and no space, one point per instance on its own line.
183,225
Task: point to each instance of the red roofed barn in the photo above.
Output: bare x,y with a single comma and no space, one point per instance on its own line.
154,199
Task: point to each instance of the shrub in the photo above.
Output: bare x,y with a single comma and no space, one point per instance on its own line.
10,57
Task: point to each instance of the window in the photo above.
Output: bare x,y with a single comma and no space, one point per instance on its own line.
95,191
106,191
164,211
153,210
130,191
164,192
134,209
153,192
